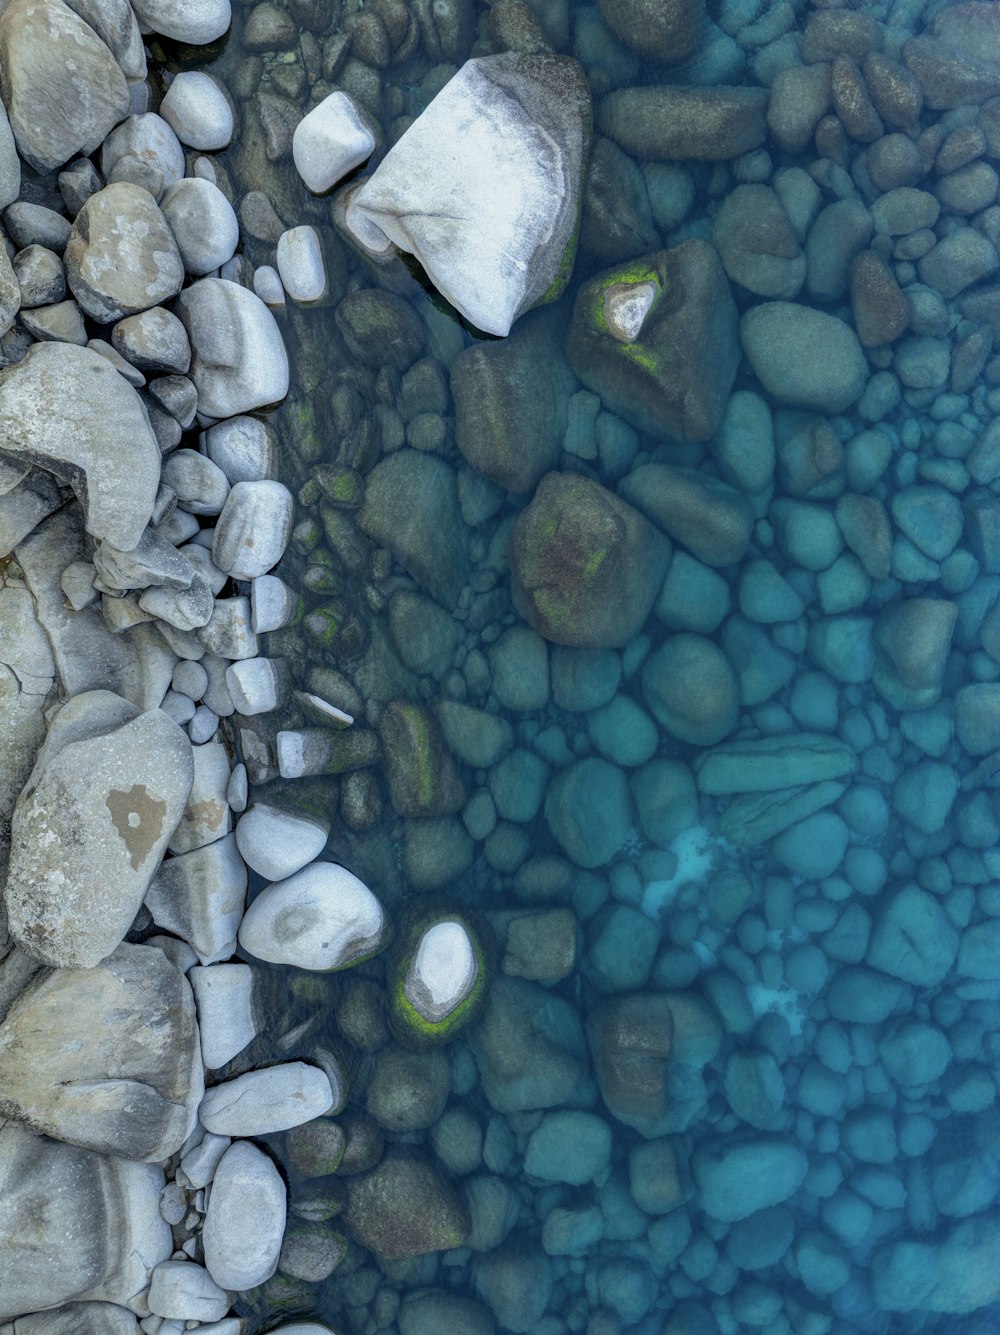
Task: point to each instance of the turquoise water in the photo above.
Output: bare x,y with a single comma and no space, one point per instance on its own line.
736,1069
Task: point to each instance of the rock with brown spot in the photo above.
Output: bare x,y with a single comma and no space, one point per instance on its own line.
91,825
894,90
881,311
852,102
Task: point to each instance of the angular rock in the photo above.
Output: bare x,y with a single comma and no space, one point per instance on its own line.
91,826
146,144
106,1058
238,360
200,896
330,141
504,144
667,124
262,1102
61,86
121,257
587,567
95,1226
320,918
182,1291
66,409
404,1207
226,1019
657,339
245,1219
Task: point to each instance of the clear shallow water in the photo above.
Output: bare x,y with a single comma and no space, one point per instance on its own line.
827,1019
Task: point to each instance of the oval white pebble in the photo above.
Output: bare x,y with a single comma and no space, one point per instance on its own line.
300,264
262,1102
253,529
198,111
245,1219
443,970
277,843
321,918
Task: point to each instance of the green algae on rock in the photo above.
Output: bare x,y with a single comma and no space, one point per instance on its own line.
657,339
437,978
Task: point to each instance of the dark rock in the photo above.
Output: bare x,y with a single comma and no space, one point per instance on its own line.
404,1207
707,516
881,311
667,124
664,31
422,776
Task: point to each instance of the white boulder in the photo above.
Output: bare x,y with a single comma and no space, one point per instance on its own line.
197,22
300,264
277,843
262,1102
320,918
245,1219
330,141
198,111
238,357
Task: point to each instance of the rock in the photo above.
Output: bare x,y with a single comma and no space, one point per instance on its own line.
691,687
803,356
194,22
432,1310
505,143
262,1102
961,258
510,403
799,96
278,843
380,328
154,340
912,643
330,141
586,566
952,1273
253,529
238,355
710,518
772,762
630,1042
881,311
79,1319
408,1091
410,496
245,1219
617,220
589,810
66,409
668,124
61,86
913,938
569,1146
656,339
739,1175
422,777
182,1291
203,223
106,1058
206,816
199,896
437,980
515,1282
405,1208
147,146
27,676
197,109
320,918
121,257
529,1047
757,244
664,31
91,826
97,1230
301,266
226,1020
243,447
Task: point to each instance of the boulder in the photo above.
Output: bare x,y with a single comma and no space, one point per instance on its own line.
91,826
710,518
669,124
320,918
68,410
261,1102
484,186
803,356
238,359
657,339
404,1207
245,1219
586,567
194,22
106,1058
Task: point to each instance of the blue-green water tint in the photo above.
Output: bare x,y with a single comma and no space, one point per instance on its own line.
828,1154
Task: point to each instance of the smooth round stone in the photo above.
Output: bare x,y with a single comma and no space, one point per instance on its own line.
569,1146
223,994
238,356
300,264
272,603
443,971
253,529
200,485
153,340
243,447
803,356
320,918
262,1102
186,1292
245,1219
269,287
196,22
331,141
277,843
589,811
198,111
692,689
203,222
149,138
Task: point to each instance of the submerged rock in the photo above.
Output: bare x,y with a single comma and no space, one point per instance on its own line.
586,567
666,31
404,1207
668,124
484,186
320,918
657,339
437,982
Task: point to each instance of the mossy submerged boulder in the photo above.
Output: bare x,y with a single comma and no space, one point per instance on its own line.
404,1207
437,977
586,567
657,338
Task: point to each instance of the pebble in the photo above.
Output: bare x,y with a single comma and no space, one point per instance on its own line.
197,22
442,972
321,917
245,1219
226,1023
243,447
272,603
186,1292
253,529
330,141
300,264
238,355
803,356
203,222
262,1102
198,110
277,843
200,896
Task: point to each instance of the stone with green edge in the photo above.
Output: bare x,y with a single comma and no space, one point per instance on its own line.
586,566
423,779
437,977
657,339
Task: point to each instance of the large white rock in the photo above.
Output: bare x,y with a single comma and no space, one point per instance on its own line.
203,222
68,410
106,1058
224,994
91,826
320,918
330,141
197,22
199,896
61,86
228,635
272,603
74,1224
483,187
245,1219
238,356
277,843
256,685
198,111
442,972
253,529
243,447
262,1102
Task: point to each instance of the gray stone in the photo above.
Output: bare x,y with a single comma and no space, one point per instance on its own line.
757,244
197,22
772,762
331,140
200,895
198,110
243,447
262,1102
589,811
667,124
153,340
91,825
709,517
253,529
182,1291
66,409
958,260
692,689
238,356
226,1018
106,1058
203,222
147,143
739,1175
404,1207
97,1230
803,356
245,1219
61,86
913,939
320,918
569,1146
121,257
529,1047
